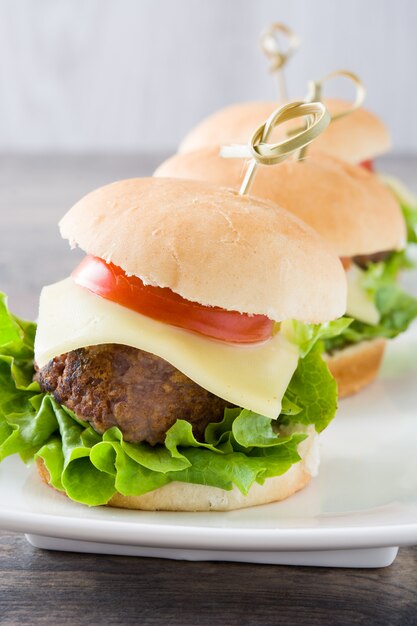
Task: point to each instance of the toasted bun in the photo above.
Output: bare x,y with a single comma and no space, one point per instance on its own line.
356,366
178,496
212,246
357,137
347,205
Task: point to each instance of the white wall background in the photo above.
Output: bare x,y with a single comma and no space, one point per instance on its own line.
135,75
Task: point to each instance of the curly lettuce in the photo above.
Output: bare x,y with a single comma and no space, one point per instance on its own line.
90,468
397,308
306,336
408,203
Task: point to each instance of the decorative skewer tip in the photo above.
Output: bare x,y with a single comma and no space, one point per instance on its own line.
263,153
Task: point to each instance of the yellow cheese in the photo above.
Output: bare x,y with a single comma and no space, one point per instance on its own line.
360,304
253,377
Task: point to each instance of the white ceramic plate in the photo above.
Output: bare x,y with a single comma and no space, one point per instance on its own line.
362,506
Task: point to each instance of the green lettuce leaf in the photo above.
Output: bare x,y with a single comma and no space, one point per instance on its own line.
90,469
408,203
242,449
314,390
16,336
305,336
397,308
385,273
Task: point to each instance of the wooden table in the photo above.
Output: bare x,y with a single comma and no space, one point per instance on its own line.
38,587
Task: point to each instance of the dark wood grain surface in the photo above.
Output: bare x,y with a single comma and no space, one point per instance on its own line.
39,587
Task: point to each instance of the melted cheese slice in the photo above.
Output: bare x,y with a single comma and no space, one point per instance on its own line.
360,304
253,377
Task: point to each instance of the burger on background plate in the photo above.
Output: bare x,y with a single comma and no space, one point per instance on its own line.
357,138
362,221
180,366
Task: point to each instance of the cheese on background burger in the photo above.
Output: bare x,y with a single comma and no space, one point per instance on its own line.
179,366
359,218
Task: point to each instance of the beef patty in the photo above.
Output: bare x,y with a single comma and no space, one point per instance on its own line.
115,385
363,260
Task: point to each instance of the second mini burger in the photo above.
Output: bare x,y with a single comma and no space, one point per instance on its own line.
359,217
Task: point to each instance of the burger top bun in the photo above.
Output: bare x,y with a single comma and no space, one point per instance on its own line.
347,205
211,246
357,137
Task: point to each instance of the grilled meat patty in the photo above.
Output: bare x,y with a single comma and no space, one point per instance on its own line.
363,260
115,385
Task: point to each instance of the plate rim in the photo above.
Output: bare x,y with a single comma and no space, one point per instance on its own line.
134,532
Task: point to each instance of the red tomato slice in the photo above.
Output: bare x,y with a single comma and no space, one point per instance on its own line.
368,165
110,281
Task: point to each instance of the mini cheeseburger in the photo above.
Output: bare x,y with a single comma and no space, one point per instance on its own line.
179,367
359,218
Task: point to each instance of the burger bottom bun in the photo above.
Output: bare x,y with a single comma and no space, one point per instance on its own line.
178,496
356,366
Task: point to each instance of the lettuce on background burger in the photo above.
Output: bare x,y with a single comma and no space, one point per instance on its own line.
359,217
180,366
